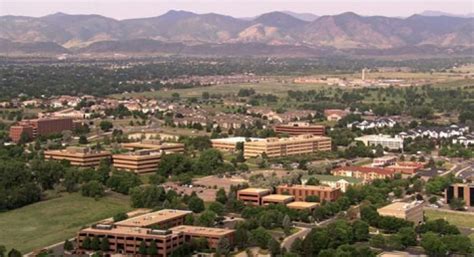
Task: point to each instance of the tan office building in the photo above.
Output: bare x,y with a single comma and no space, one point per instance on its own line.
139,162
408,211
300,192
252,196
279,147
212,235
300,128
127,240
229,144
277,199
155,145
162,219
462,191
300,205
78,156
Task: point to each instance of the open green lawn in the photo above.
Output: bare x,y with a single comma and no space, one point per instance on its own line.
459,219
279,89
51,221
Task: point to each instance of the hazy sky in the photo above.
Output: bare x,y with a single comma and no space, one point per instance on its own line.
121,9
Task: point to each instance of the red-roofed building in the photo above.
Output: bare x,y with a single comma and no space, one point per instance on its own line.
364,173
406,168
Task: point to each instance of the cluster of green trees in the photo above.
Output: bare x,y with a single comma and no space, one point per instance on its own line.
184,167
337,239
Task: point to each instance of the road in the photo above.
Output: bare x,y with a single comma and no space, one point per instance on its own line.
288,241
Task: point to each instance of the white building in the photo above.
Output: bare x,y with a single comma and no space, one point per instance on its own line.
378,123
384,140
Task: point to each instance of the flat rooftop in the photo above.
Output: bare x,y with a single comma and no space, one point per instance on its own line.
202,231
277,197
152,218
129,231
323,178
234,140
309,187
302,205
399,206
254,190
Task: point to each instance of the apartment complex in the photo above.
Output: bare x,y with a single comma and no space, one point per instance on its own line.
279,147
229,144
300,192
252,196
277,199
78,156
408,211
212,235
155,145
334,181
462,191
384,140
141,161
406,168
365,173
162,219
40,127
300,128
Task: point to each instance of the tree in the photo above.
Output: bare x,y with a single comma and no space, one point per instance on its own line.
14,253
457,204
433,245
360,230
260,237
86,243
217,207
241,237
407,236
104,244
92,189
274,247
83,140
120,216
95,243
152,250
297,247
143,248
106,125
122,181
196,204
286,224
312,198
207,219
68,245
312,181
377,241
221,196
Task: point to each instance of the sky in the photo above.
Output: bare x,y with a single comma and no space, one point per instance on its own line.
120,9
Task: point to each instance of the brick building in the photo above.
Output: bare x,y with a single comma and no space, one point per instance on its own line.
78,156
300,192
40,127
462,191
300,128
252,196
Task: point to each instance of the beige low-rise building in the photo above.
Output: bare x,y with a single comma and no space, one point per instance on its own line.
300,205
142,161
162,219
280,147
230,143
155,145
277,199
252,196
408,211
78,156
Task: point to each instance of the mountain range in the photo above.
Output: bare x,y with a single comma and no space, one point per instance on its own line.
179,31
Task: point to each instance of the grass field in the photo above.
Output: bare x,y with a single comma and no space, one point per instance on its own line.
459,219
51,221
279,89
